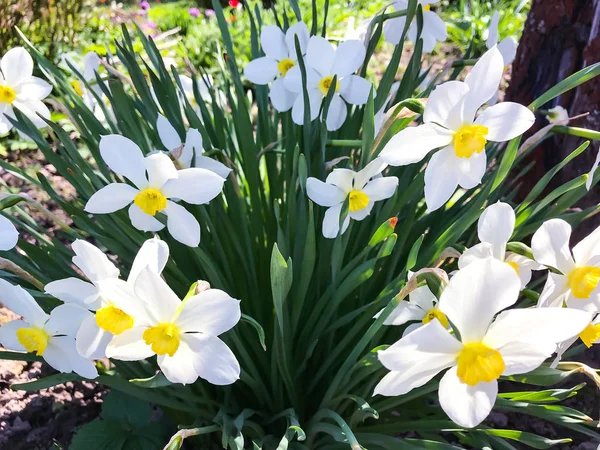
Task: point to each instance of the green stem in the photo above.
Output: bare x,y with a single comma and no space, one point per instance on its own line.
344,142
464,62
574,131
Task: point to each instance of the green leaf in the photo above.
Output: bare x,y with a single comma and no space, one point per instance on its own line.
155,381
259,329
543,376
123,408
100,435
532,440
411,262
47,382
281,282
18,356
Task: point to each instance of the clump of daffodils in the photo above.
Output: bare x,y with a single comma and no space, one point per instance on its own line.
364,270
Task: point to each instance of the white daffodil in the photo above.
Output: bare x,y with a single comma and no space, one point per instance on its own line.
157,181
362,189
515,342
189,154
182,334
20,89
589,336
91,64
507,47
434,28
495,227
558,115
9,235
450,122
49,336
323,63
205,83
577,284
281,56
97,330
421,306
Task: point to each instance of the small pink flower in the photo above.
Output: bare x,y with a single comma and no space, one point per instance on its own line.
194,12
209,12
151,25
144,5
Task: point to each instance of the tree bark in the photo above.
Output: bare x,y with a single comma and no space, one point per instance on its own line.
560,38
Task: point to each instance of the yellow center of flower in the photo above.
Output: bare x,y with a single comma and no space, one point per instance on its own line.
478,363
284,65
77,87
326,83
470,139
113,319
7,94
34,339
151,201
514,265
583,280
164,338
426,8
435,313
358,200
590,334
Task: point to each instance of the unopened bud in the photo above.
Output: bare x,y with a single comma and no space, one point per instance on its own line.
201,287
383,232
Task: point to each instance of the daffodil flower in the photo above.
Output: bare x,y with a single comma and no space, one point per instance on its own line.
91,64
323,64
189,153
422,306
9,235
20,89
577,284
434,28
98,329
515,342
507,47
362,189
50,336
182,334
495,227
156,182
281,56
589,336
450,122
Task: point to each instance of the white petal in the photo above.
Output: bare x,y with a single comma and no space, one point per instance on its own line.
381,188
129,346
111,198
355,90
193,146
167,133
588,182
342,178
34,88
160,169
461,301
204,162
154,254
591,304
56,353
8,335
124,158
441,178
281,98
404,312
211,312
195,186
142,221
273,43
412,144
161,301
505,121
483,80
471,170
475,254
587,248
496,224
371,170
315,99
179,368
301,30
524,266
349,56
91,341
293,80
73,290
423,298
331,222
442,101
435,26
466,405
123,295
19,301
9,236
399,383
92,261
66,319
16,65
523,357
555,292
320,55
337,113
91,64
213,360
550,245
393,29
412,327
508,50
363,213
324,194
261,70
182,225
33,109
492,38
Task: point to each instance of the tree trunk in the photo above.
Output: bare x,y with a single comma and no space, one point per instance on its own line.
560,38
